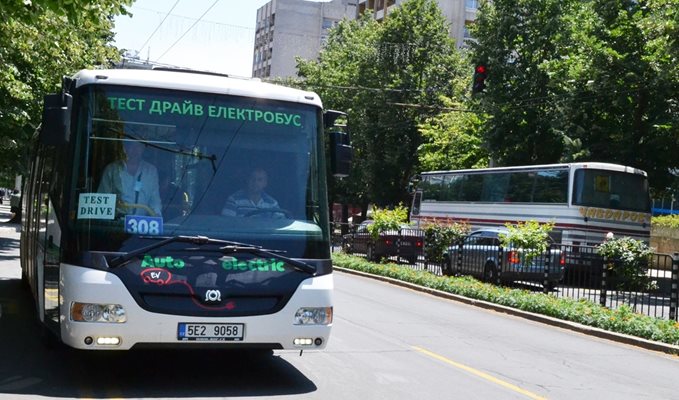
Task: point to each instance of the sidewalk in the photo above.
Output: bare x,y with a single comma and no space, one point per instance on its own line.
9,245
6,215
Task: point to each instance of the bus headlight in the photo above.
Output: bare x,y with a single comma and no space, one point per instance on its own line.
89,312
313,316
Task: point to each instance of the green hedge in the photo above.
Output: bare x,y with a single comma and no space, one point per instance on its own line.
668,221
621,320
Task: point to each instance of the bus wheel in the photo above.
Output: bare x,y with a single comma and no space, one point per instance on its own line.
24,279
49,340
490,273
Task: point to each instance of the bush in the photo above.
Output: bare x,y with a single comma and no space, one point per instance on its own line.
437,238
628,261
531,236
622,320
386,220
668,221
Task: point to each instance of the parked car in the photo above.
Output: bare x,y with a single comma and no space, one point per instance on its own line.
407,243
480,257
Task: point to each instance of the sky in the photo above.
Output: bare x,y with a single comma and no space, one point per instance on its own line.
218,35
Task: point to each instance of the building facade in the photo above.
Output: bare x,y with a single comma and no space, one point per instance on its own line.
459,13
286,29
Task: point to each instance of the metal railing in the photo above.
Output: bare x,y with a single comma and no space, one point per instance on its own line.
653,291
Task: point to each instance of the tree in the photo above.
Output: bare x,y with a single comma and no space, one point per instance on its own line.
40,42
75,11
388,77
578,81
338,78
515,41
453,139
631,116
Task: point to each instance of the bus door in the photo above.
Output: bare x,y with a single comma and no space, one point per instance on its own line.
47,241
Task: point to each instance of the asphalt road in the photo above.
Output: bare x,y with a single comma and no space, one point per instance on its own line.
388,342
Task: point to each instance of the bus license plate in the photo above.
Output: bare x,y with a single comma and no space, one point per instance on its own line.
212,332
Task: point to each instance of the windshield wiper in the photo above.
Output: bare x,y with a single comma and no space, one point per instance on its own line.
120,260
259,251
229,247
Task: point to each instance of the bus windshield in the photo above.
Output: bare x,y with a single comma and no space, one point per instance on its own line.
155,162
611,189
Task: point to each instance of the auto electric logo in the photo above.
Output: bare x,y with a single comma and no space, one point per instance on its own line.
213,296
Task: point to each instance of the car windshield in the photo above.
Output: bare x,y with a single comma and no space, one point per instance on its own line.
166,163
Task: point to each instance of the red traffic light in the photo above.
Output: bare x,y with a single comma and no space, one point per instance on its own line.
478,82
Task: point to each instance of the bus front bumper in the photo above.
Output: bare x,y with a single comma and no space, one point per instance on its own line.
147,329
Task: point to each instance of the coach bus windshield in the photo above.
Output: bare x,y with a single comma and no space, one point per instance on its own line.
611,189
160,162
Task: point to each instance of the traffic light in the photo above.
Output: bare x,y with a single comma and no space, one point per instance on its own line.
479,81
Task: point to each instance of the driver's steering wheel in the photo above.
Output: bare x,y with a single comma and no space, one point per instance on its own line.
258,211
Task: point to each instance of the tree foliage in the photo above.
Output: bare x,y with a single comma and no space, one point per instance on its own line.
439,236
531,237
389,77
574,80
40,42
453,139
387,219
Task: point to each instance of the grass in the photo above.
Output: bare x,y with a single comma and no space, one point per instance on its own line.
621,320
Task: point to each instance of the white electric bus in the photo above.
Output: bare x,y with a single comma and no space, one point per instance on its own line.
107,272
585,200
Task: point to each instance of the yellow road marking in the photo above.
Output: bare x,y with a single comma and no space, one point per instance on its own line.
480,374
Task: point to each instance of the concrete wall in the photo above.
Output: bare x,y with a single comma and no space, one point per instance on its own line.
665,240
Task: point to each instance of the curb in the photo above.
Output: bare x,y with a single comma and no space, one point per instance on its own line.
573,326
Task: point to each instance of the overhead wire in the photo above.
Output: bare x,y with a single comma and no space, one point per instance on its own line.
188,30
158,27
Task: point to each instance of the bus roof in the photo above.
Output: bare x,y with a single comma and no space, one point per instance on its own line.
594,165
196,81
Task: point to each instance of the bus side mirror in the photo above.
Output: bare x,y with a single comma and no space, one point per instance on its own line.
341,154
56,119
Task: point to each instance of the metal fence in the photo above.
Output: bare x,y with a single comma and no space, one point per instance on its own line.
576,272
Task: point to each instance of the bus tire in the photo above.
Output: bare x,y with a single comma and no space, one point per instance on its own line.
490,273
49,340
24,279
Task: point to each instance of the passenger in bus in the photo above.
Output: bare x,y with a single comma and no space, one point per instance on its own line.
251,199
134,181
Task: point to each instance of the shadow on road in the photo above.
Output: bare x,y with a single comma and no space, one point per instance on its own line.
8,248
27,367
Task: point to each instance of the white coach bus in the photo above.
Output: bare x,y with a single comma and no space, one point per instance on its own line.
585,200
152,259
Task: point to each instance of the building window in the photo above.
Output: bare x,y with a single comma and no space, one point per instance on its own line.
467,35
471,4
328,23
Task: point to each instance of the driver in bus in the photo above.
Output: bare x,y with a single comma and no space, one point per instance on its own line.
134,181
252,198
